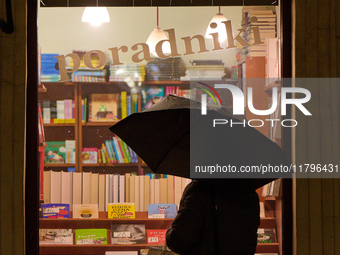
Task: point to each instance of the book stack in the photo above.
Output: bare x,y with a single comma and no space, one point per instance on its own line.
89,75
265,19
204,70
59,111
159,69
48,72
127,73
272,189
103,189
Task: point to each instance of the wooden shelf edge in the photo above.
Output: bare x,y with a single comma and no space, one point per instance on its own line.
59,165
91,124
59,124
42,88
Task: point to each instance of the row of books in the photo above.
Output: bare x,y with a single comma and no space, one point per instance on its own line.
58,111
272,189
127,73
112,152
48,71
108,107
265,19
123,234
60,152
89,75
163,69
102,189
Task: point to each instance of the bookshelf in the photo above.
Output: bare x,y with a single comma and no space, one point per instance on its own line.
85,136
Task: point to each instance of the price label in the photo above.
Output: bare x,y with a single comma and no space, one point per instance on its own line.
157,216
85,241
121,234
260,231
153,239
51,210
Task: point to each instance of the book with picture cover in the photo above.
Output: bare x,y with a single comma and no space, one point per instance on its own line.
55,211
85,211
266,235
156,236
121,211
151,95
89,155
55,152
128,234
168,211
55,236
91,236
103,107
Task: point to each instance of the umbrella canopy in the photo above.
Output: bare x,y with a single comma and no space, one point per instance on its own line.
173,137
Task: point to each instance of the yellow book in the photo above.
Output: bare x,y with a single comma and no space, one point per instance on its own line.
124,106
121,211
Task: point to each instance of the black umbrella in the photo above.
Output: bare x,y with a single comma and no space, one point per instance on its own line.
173,137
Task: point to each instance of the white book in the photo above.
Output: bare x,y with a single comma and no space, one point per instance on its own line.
111,189
157,195
70,153
178,189
163,190
94,188
127,187
137,198
146,192
86,189
115,188
132,189
47,187
46,115
66,188
171,194
122,189
107,191
152,191
60,110
55,187
76,187
141,193
101,193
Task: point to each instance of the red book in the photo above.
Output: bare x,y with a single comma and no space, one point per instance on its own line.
156,236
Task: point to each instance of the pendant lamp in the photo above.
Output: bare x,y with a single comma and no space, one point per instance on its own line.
158,35
216,26
96,15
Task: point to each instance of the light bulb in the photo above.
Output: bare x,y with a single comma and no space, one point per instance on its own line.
158,35
220,28
95,15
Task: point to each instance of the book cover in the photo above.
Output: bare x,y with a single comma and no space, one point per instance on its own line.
85,211
91,236
156,236
128,234
162,211
89,155
151,95
55,236
55,152
121,211
103,107
266,235
55,211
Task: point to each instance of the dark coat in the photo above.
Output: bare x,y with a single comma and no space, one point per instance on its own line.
237,217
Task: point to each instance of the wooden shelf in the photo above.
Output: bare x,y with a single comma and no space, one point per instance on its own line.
42,88
267,248
95,124
110,165
276,84
59,165
59,124
165,82
268,222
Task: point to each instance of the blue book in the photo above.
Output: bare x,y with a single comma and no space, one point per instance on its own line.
168,211
116,152
55,211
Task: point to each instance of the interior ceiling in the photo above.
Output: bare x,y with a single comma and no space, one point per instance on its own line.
83,3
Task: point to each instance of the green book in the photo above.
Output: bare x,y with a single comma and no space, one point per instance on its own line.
55,152
91,236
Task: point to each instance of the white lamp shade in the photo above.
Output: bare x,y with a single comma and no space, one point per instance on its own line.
158,35
95,15
222,33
